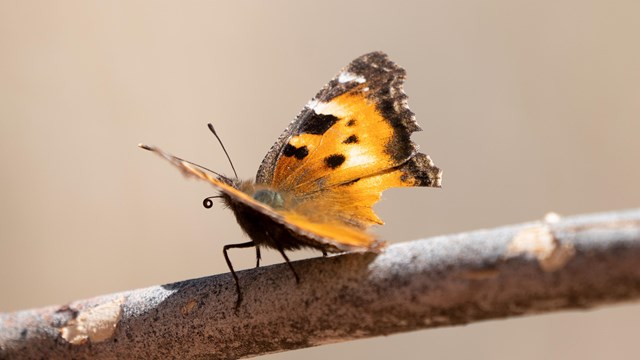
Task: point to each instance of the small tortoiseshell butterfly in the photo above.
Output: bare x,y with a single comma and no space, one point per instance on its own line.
316,186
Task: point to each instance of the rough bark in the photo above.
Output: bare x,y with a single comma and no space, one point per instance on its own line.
549,265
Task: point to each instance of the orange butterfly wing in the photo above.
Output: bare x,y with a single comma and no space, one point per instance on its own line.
353,147
350,143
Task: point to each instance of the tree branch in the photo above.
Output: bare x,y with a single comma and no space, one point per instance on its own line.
555,264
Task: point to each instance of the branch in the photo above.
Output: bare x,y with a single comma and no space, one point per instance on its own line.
555,264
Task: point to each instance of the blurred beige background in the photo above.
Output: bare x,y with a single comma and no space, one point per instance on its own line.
528,107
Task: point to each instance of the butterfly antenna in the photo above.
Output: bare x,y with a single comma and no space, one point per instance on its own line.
210,126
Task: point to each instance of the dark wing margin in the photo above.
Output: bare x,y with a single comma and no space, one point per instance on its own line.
422,170
384,80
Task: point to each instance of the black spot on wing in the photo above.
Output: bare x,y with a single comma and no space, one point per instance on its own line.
316,124
334,161
351,122
299,153
353,139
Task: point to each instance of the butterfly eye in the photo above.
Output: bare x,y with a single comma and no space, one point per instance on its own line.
269,197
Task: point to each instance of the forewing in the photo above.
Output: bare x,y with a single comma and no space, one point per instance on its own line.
357,125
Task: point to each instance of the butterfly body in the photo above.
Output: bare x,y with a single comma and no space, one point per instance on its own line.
263,229
318,183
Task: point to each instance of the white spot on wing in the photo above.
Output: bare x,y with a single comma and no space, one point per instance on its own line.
357,157
312,104
330,108
346,76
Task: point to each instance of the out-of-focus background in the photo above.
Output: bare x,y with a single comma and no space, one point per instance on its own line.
528,106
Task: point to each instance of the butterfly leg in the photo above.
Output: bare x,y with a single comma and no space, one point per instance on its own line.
258,256
233,273
286,258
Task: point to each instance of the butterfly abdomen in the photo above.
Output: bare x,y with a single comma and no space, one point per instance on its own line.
267,231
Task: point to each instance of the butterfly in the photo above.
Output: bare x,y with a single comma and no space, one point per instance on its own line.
318,183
